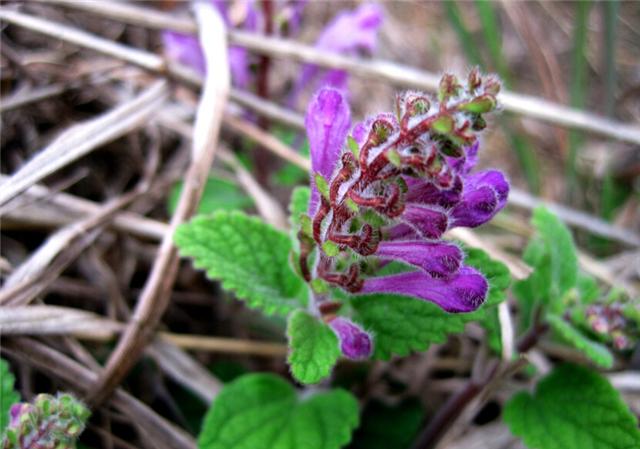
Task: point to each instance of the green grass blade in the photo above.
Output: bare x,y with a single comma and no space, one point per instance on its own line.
493,38
521,145
578,88
464,36
611,9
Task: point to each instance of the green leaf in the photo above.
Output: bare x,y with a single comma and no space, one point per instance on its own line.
401,324
499,279
595,351
299,203
552,254
264,411
322,185
218,194
8,395
314,347
588,289
250,257
572,408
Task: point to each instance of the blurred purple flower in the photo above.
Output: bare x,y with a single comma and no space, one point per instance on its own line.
186,49
183,48
349,33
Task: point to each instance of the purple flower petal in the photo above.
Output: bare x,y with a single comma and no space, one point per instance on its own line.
327,123
429,222
400,232
348,33
437,259
463,292
239,66
352,31
426,192
485,193
355,343
16,412
338,79
464,165
184,48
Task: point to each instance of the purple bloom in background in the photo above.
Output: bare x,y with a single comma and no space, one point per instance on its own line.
349,33
245,15
183,48
413,173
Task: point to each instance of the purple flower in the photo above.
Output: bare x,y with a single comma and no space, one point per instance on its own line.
391,191
349,33
485,193
465,291
327,122
355,343
439,260
183,48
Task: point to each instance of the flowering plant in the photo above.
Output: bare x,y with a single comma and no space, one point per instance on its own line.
367,272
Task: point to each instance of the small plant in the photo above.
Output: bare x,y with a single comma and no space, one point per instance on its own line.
385,194
49,422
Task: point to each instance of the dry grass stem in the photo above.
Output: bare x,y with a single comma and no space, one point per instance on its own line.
54,320
183,369
81,139
39,206
268,207
45,264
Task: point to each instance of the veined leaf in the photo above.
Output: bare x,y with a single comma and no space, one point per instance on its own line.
250,257
572,408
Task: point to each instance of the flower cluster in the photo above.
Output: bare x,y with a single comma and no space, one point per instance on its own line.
389,191
48,422
610,321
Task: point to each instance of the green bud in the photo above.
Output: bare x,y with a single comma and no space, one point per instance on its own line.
479,105
322,185
319,286
330,248
443,125
353,146
394,157
352,205
449,87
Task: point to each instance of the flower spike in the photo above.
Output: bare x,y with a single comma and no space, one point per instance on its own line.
390,191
